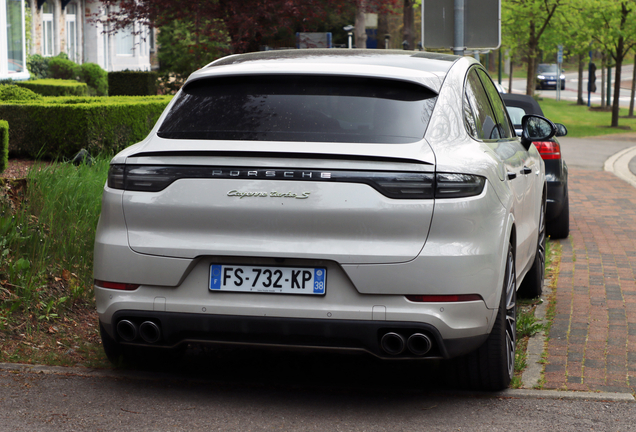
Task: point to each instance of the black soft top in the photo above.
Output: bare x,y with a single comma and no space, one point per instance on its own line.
527,103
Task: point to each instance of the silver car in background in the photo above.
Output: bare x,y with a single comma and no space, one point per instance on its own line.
377,201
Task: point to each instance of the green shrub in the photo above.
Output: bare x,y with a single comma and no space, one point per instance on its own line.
56,87
62,68
38,66
17,93
60,127
4,145
96,78
132,83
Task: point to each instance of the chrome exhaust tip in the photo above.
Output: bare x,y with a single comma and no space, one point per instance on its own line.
149,332
127,330
419,344
392,343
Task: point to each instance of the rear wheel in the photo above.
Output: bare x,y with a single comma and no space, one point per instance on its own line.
491,367
113,350
532,285
559,228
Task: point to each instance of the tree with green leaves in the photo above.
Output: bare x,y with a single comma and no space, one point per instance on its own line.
614,24
567,29
527,21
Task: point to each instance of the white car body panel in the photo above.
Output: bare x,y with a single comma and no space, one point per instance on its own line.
377,250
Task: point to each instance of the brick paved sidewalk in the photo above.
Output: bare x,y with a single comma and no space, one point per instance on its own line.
592,343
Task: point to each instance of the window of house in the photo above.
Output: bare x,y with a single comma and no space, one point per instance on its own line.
71,32
15,36
125,41
47,29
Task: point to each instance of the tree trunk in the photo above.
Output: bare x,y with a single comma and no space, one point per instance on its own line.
631,100
510,77
533,45
383,30
579,97
360,26
620,55
409,23
603,64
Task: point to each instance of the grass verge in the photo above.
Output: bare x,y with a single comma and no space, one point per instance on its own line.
582,121
47,231
527,324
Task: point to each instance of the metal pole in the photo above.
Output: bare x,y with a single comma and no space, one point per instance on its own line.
499,74
459,28
609,85
422,29
589,77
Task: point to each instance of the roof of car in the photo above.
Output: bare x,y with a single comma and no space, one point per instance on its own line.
424,61
527,103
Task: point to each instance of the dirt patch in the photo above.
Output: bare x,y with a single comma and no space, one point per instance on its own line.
17,168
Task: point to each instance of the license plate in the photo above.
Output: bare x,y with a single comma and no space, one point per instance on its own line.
267,279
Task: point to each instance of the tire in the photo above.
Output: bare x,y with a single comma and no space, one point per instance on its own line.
532,285
491,366
114,351
559,228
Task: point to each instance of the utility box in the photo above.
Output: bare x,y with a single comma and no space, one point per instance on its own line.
482,24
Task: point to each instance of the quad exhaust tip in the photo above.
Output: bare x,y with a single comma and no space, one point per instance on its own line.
419,344
127,330
395,344
149,332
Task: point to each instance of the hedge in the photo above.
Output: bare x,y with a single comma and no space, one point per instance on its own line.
16,93
132,83
96,78
60,127
55,87
4,145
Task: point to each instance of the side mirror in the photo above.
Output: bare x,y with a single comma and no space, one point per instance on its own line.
561,130
536,128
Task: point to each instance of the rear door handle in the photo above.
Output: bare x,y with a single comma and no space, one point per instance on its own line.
526,170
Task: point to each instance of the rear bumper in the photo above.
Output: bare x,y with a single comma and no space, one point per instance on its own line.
178,328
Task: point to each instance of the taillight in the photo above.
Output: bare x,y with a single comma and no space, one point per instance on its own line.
398,185
458,185
548,149
451,298
116,285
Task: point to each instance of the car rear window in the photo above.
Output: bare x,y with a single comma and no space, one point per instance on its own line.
300,108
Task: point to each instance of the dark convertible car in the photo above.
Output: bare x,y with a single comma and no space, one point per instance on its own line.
556,170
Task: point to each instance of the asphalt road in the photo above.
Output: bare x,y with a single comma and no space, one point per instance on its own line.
571,86
247,390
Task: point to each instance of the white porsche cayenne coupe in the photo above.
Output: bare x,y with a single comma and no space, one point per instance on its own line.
342,199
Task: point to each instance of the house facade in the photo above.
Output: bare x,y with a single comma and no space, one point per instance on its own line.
49,27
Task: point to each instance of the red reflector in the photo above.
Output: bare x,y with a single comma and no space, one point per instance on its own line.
116,285
548,149
444,298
